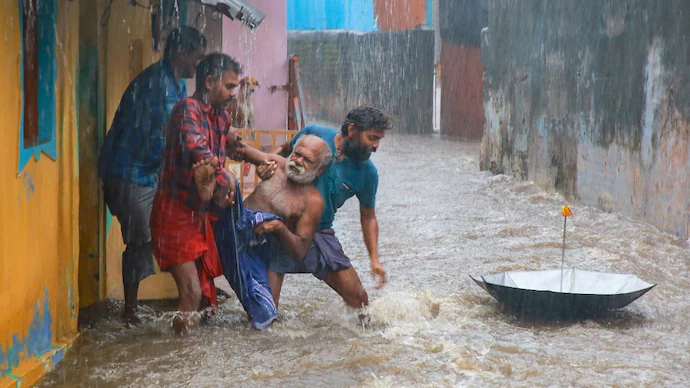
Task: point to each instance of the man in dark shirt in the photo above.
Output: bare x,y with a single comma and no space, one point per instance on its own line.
130,158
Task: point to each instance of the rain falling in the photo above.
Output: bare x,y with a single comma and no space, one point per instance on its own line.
345,193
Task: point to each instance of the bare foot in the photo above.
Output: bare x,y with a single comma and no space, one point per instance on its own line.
130,318
184,321
181,323
205,177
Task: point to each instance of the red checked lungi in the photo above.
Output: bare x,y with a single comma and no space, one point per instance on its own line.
179,235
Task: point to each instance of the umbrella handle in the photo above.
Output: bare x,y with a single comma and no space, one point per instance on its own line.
565,222
566,212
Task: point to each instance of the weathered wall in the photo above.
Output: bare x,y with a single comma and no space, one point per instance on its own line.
39,212
91,212
462,110
392,70
588,98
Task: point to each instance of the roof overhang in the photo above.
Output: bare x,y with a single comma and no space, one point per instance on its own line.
236,10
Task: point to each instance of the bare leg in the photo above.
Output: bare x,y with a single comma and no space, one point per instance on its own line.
131,305
187,280
347,284
275,281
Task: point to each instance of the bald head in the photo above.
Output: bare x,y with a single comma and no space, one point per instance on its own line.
309,158
319,146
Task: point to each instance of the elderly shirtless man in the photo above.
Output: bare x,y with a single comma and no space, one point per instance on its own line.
279,218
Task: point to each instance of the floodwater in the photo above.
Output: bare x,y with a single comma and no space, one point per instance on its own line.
441,220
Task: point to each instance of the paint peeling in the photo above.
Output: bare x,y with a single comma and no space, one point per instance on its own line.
600,97
28,183
36,306
35,343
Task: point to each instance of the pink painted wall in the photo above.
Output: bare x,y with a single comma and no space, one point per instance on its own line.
263,54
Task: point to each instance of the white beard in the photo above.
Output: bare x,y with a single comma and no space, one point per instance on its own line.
300,176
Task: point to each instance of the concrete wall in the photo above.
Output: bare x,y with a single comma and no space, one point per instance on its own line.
462,111
588,98
392,70
355,63
263,54
39,213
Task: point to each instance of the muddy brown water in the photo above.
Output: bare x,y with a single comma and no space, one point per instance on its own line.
441,220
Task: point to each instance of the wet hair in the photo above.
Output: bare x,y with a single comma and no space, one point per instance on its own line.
215,64
184,38
325,154
367,117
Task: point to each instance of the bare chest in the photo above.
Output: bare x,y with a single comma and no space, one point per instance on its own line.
278,197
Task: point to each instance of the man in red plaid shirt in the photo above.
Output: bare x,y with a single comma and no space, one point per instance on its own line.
183,209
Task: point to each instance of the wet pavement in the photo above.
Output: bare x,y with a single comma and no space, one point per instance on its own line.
441,220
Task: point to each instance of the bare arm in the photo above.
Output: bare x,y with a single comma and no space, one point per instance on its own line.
297,244
370,232
283,150
254,156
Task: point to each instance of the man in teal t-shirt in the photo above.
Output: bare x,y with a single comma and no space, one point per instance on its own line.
350,174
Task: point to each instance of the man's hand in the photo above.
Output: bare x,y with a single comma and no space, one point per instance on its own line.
233,138
269,227
378,271
234,145
266,169
225,196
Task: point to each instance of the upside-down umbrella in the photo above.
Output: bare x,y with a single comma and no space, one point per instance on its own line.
564,292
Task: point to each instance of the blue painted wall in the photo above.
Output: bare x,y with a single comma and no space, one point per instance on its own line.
46,19
35,343
357,15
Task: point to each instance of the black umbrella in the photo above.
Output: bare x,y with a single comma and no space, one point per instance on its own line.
584,292
564,292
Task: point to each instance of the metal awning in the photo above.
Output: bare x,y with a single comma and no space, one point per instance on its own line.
236,10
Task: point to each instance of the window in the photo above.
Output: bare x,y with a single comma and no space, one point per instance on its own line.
38,76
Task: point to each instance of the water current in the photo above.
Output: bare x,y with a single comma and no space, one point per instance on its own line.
441,220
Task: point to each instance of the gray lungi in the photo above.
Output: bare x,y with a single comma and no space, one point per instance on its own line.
131,204
325,254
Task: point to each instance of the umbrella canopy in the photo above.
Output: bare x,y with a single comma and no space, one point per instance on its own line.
237,9
568,292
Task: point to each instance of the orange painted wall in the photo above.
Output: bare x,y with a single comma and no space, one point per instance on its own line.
39,213
396,15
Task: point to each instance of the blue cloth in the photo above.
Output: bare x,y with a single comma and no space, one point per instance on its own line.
342,179
133,148
243,260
